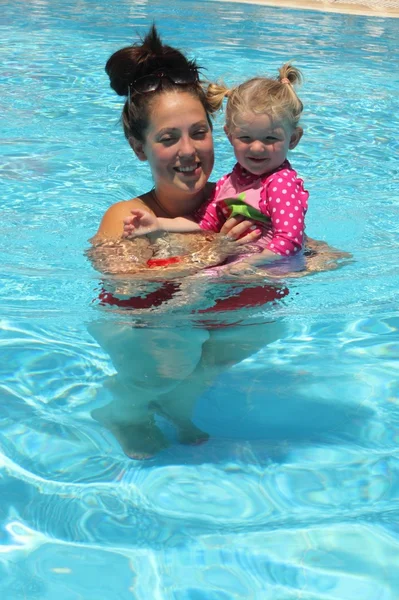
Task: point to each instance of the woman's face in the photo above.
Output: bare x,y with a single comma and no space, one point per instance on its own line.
178,143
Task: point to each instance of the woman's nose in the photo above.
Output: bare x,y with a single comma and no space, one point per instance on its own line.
186,147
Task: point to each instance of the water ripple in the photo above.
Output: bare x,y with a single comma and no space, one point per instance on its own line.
296,494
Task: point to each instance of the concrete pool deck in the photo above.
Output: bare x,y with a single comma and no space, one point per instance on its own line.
370,8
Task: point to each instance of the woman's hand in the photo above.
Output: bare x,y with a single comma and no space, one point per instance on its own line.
242,268
140,223
241,230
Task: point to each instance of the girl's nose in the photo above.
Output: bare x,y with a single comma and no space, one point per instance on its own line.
257,146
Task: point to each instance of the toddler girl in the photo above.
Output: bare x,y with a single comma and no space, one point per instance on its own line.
262,118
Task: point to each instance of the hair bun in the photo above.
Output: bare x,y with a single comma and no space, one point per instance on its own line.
142,59
121,68
151,57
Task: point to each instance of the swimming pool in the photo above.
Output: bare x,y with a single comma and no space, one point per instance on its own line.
296,493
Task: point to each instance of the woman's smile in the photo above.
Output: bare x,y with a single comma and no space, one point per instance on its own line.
189,170
179,145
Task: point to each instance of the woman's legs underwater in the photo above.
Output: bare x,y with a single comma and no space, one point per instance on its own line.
165,371
149,363
224,348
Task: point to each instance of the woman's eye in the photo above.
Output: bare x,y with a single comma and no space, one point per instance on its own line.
200,134
244,138
167,140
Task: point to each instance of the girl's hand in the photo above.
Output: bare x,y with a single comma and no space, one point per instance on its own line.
241,230
141,223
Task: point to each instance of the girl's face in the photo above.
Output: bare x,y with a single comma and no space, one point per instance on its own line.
178,143
261,143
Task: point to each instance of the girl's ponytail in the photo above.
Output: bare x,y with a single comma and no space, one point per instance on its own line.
267,95
291,74
215,94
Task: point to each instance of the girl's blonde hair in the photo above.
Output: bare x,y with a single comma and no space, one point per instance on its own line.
260,95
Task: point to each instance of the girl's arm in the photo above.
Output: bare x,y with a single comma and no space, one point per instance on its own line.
142,223
285,201
178,225
111,226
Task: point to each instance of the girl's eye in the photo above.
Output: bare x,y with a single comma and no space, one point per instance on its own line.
244,138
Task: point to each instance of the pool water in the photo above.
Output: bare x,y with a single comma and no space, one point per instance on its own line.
296,493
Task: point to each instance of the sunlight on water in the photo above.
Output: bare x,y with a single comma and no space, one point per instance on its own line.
296,492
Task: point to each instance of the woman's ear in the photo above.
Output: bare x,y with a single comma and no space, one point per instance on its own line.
138,148
295,137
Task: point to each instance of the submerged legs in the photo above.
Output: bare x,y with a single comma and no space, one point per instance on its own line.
165,371
149,363
224,348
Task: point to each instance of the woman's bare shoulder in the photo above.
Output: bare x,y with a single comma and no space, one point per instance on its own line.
111,226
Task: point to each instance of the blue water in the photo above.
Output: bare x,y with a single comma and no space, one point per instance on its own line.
296,494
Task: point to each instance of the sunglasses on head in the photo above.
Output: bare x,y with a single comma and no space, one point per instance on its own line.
151,83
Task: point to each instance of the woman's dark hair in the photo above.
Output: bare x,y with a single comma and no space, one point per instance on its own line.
143,59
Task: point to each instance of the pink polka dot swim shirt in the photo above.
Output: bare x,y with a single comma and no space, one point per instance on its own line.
277,201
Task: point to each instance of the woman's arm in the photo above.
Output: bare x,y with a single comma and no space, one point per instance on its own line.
111,226
108,252
318,256
266,257
111,253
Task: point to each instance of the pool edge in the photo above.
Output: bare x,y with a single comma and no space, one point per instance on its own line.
325,6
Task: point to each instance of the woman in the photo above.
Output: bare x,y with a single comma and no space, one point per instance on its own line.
166,120
162,84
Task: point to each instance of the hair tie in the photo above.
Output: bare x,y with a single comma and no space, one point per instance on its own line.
285,80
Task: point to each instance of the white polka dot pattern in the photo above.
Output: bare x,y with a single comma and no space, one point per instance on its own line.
280,196
288,232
